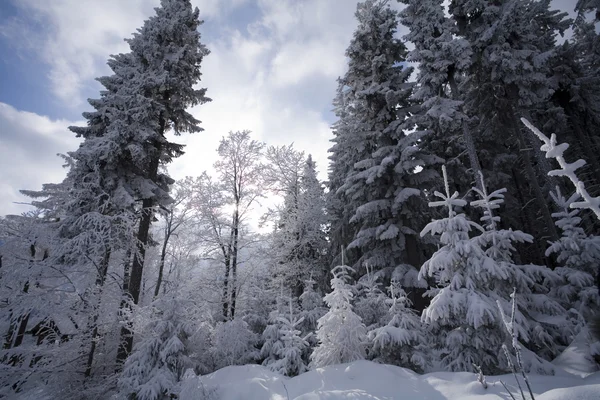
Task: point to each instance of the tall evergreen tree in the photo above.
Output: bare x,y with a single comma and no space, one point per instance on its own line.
299,239
166,55
513,43
381,184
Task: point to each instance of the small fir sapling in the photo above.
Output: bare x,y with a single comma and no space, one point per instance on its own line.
156,366
370,303
579,256
403,341
341,333
286,354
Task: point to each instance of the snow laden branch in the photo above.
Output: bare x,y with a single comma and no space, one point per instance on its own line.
555,150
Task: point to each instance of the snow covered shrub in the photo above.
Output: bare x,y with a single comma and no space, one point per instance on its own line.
341,333
234,344
155,367
311,308
403,341
370,303
284,347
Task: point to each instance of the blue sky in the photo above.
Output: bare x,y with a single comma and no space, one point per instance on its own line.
272,70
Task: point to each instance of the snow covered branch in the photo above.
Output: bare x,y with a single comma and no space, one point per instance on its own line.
554,150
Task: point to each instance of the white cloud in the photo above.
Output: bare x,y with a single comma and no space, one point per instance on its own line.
274,76
28,151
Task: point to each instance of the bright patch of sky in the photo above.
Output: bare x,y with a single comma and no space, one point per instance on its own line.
272,69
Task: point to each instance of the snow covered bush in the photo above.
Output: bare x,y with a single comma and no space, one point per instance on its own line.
404,340
156,366
370,303
234,344
284,346
341,333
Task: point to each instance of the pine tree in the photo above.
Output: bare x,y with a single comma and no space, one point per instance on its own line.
404,340
299,239
443,59
513,43
156,365
533,283
341,333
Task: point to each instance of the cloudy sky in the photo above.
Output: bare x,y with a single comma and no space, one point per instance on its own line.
272,69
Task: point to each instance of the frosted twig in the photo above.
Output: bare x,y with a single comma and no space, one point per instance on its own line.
554,150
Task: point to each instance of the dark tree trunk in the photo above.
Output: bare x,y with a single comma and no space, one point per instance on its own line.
234,260
100,279
126,335
137,269
467,136
163,255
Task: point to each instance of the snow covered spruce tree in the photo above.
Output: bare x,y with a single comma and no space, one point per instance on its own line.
443,59
284,347
166,54
578,255
471,275
404,341
311,310
156,365
370,304
383,167
533,283
513,43
341,333
299,239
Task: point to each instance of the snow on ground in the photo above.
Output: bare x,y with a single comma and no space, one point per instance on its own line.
365,380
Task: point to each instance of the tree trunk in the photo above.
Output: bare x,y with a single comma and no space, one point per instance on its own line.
100,279
163,255
234,259
467,136
225,297
137,268
126,335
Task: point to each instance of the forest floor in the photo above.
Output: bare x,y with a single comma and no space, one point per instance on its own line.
365,380
576,377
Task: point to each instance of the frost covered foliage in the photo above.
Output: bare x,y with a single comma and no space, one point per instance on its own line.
311,310
579,256
341,333
404,341
234,344
284,347
370,304
471,275
156,366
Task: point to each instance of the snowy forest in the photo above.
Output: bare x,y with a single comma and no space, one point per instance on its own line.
458,229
